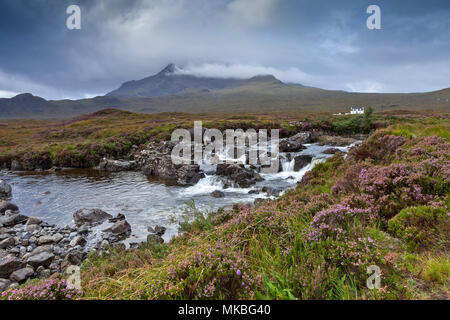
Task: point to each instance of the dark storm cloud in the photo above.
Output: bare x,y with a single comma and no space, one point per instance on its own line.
319,43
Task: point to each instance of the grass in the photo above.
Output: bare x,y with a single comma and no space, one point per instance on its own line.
387,206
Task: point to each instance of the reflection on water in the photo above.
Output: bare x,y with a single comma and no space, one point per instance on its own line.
54,197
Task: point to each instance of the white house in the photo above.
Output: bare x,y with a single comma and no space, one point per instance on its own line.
357,110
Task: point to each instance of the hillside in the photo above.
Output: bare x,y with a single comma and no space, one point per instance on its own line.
169,91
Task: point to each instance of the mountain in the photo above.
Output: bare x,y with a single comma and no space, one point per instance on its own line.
172,91
171,80
25,104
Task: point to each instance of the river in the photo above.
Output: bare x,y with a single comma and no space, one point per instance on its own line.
54,197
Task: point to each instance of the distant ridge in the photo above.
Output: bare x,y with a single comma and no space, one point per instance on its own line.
171,90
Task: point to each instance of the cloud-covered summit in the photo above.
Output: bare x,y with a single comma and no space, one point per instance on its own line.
317,43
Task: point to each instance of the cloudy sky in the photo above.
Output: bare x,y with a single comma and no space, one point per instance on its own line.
322,43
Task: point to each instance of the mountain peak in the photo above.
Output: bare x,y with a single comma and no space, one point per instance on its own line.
169,69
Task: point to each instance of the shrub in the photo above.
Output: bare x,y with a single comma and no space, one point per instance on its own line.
51,289
421,226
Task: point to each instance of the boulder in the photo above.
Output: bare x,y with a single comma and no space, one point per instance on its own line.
116,165
74,257
9,264
303,137
5,189
218,194
331,151
33,220
21,275
4,284
6,243
45,239
290,146
121,227
163,168
158,230
41,259
301,161
78,241
90,216
117,218
238,174
12,219
6,205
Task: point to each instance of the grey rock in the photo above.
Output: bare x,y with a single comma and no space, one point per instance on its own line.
5,189
8,265
21,275
301,161
41,259
217,194
78,241
90,216
121,227
45,239
4,284
6,205
32,221
13,219
74,257
8,242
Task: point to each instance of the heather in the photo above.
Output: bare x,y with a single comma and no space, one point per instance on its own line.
386,203
50,289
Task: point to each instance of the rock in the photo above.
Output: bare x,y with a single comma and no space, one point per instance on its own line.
32,228
162,167
238,174
78,241
290,146
5,189
121,227
13,219
153,238
32,221
9,264
158,230
116,165
117,218
271,191
8,242
84,229
21,275
41,259
37,250
6,205
331,151
218,194
90,216
74,257
58,237
301,161
4,284
46,239
303,137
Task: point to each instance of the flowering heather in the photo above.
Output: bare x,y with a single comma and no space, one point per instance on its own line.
51,289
